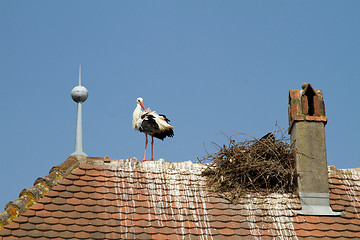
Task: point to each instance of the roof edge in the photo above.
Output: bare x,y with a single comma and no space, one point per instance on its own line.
42,185
348,171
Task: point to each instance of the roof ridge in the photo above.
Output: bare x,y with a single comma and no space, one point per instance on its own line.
332,170
158,166
29,196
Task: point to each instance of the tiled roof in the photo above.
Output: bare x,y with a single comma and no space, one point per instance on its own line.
99,198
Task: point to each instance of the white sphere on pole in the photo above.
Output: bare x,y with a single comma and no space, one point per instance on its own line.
79,94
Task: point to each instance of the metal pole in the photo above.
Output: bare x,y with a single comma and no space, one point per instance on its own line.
78,132
79,94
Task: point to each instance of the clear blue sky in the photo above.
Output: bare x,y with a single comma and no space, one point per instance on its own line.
210,66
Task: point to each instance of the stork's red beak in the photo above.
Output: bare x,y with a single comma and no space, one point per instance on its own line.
142,105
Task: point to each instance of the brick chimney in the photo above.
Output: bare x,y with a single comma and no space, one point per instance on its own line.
307,122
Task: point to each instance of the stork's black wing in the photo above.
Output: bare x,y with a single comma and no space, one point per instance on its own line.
148,124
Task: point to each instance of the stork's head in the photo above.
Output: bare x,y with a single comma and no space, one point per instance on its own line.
139,101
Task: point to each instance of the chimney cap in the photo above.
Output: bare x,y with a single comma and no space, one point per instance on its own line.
305,85
306,105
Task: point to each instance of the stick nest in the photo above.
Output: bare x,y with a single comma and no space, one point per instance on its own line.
262,166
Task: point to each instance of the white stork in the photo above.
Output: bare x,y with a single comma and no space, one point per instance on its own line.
149,122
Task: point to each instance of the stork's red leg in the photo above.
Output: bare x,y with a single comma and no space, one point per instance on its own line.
146,142
152,147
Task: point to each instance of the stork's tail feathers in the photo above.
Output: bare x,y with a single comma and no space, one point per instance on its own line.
164,134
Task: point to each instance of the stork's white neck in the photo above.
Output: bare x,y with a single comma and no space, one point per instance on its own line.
136,115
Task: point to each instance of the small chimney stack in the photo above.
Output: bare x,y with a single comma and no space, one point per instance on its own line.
307,122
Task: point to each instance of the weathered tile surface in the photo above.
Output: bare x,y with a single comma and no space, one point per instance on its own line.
101,198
